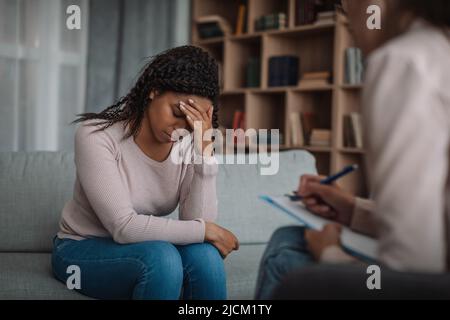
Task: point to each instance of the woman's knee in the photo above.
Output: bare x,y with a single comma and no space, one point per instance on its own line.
161,257
203,257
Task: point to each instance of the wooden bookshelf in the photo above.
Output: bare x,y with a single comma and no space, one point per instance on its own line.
320,47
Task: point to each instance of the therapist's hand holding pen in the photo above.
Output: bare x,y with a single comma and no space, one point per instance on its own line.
326,200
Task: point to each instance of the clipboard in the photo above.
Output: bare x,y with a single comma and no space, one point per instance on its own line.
355,243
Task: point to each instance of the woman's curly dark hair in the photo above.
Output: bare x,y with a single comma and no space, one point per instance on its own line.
185,69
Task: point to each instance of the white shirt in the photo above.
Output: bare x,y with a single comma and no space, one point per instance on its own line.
406,114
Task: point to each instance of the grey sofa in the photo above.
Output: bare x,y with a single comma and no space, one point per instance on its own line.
35,186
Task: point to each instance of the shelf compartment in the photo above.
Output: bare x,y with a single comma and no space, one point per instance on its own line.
237,56
228,105
266,111
320,103
258,8
349,101
225,8
315,51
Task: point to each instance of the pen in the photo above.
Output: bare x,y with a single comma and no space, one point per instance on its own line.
328,180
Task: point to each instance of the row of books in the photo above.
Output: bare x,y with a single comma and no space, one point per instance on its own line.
320,138
307,12
353,136
283,71
271,21
304,130
239,123
354,66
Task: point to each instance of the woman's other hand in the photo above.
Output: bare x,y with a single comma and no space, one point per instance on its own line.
225,241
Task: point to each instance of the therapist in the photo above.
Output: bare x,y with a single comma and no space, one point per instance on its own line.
406,114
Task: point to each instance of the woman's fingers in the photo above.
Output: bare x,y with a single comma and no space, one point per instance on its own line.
196,109
187,110
210,113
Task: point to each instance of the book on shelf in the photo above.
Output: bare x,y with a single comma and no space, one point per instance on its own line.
354,66
349,137
241,21
283,71
316,75
353,134
297,137
305,12
326,17
308,123
253,72
273,21
305,84
315,79
239,120
212,26
320,138
314,11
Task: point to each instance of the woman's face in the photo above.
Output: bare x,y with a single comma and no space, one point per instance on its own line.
164,115
366,39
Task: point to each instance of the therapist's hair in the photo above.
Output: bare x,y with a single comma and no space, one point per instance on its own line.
185,70
436,12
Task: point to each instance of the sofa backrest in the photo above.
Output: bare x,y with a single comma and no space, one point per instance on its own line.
34,186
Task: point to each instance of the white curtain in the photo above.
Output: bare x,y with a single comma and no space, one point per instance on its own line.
146,34
123,34
42,74
47,74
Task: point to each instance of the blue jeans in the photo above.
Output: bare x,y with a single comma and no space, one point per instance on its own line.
285,253
145,270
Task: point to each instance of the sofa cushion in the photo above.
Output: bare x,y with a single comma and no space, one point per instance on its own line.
242,271
35,186
29,276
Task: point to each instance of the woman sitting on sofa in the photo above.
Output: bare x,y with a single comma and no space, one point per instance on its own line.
127,179
406,110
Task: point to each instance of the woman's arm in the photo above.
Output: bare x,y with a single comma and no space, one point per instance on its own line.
198,197
407,138
96,164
